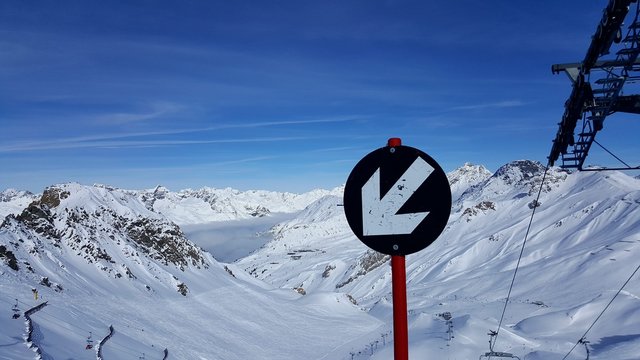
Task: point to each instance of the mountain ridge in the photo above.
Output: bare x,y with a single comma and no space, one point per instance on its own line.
585,228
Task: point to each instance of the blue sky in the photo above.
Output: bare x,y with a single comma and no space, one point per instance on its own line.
278,95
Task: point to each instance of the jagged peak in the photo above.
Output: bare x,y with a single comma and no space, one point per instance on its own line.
524,169
465,177
160,192
91,198
111,229
517,177
468,170
160,188
104,186
11,194
528,171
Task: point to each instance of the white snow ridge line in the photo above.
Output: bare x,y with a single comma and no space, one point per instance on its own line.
29,335
101,343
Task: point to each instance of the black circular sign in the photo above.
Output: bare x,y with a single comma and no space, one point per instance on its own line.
397,200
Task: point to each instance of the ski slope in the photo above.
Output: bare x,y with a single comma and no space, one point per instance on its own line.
584,243
313,291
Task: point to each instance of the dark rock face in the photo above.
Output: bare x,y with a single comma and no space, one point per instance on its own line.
164,242
527,174
258,211
89,229
9,258
40,219
481,207
51,197
519,171
367,263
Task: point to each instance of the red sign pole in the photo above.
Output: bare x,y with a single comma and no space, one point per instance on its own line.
400,326
399,290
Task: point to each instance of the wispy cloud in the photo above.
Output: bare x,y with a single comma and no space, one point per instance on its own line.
157,110
491,105
288,122
138,143
224,165
334,149
109,140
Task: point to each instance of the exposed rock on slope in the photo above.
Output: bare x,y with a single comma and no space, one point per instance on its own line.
466,177
107,228
14,201
516,180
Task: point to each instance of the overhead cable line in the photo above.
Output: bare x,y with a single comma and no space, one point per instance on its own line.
612,154
600,315
526,236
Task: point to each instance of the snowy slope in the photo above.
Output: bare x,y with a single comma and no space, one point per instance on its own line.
465,177
315,292
13,201
210,204
73,230
99,257
230,319
585,228
189,207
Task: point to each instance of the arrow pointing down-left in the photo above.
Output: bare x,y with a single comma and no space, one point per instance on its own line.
380,215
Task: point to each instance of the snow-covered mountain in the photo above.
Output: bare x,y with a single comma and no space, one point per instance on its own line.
210,204
466,177
101,229
99,257
14,201
584,243
316,292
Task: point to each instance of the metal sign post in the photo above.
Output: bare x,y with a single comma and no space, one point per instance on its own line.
397,201
400,325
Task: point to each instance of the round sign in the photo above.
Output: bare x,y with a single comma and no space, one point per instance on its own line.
397,200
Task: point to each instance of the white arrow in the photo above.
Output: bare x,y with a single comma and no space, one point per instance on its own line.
380,216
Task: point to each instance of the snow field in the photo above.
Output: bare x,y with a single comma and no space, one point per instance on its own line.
584,243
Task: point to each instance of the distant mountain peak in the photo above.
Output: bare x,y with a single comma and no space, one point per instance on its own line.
52,196
516,179
211,204
160,191
466,171
110,229
11,194
525,169
527,174
13,201
466,176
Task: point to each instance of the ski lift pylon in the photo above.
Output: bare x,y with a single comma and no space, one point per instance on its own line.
16,311
586,343
89,342
495,354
